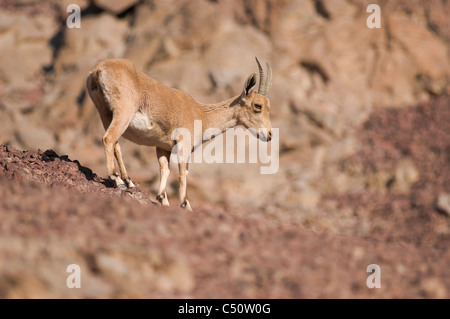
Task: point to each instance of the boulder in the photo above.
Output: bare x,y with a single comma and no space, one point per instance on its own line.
99,38
116,6
406,174
24,47
443,204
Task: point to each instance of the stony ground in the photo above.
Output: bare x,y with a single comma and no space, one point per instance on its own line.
364,174
405,162
55,212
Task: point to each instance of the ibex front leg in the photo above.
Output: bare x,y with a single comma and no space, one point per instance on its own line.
184,155
164,161
183,167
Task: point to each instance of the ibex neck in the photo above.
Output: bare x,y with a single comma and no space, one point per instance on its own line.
222,115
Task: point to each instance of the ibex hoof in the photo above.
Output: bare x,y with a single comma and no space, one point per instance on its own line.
122,187
162,199
186,205
118,182
129,183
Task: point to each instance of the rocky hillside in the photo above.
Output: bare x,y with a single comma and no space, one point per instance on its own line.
364,151
56,212
330,72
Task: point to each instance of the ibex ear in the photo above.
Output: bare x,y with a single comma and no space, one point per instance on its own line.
249,84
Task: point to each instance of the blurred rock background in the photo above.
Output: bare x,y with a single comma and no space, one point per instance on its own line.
331,73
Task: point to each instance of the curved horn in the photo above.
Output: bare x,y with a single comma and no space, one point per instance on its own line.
268,83
262,84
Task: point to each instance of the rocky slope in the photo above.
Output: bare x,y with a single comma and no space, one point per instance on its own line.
330,72
56,212
364,151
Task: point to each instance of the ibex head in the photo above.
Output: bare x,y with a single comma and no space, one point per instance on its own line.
255,106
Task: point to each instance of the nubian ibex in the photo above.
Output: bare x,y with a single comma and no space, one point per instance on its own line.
146,112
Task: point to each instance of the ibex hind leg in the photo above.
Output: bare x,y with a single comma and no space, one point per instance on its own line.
116,128
122,169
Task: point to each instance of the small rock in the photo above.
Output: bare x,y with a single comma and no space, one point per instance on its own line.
12,150
112,264
443,204
433,288
49,155
32,135
406,174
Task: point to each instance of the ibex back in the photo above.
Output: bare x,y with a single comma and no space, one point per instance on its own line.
146,112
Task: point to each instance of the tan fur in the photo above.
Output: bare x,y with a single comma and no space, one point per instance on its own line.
146,112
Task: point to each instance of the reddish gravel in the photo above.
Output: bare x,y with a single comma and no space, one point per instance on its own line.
59,171
422,135
55,212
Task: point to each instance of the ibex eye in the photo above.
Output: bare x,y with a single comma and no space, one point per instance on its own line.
258,107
